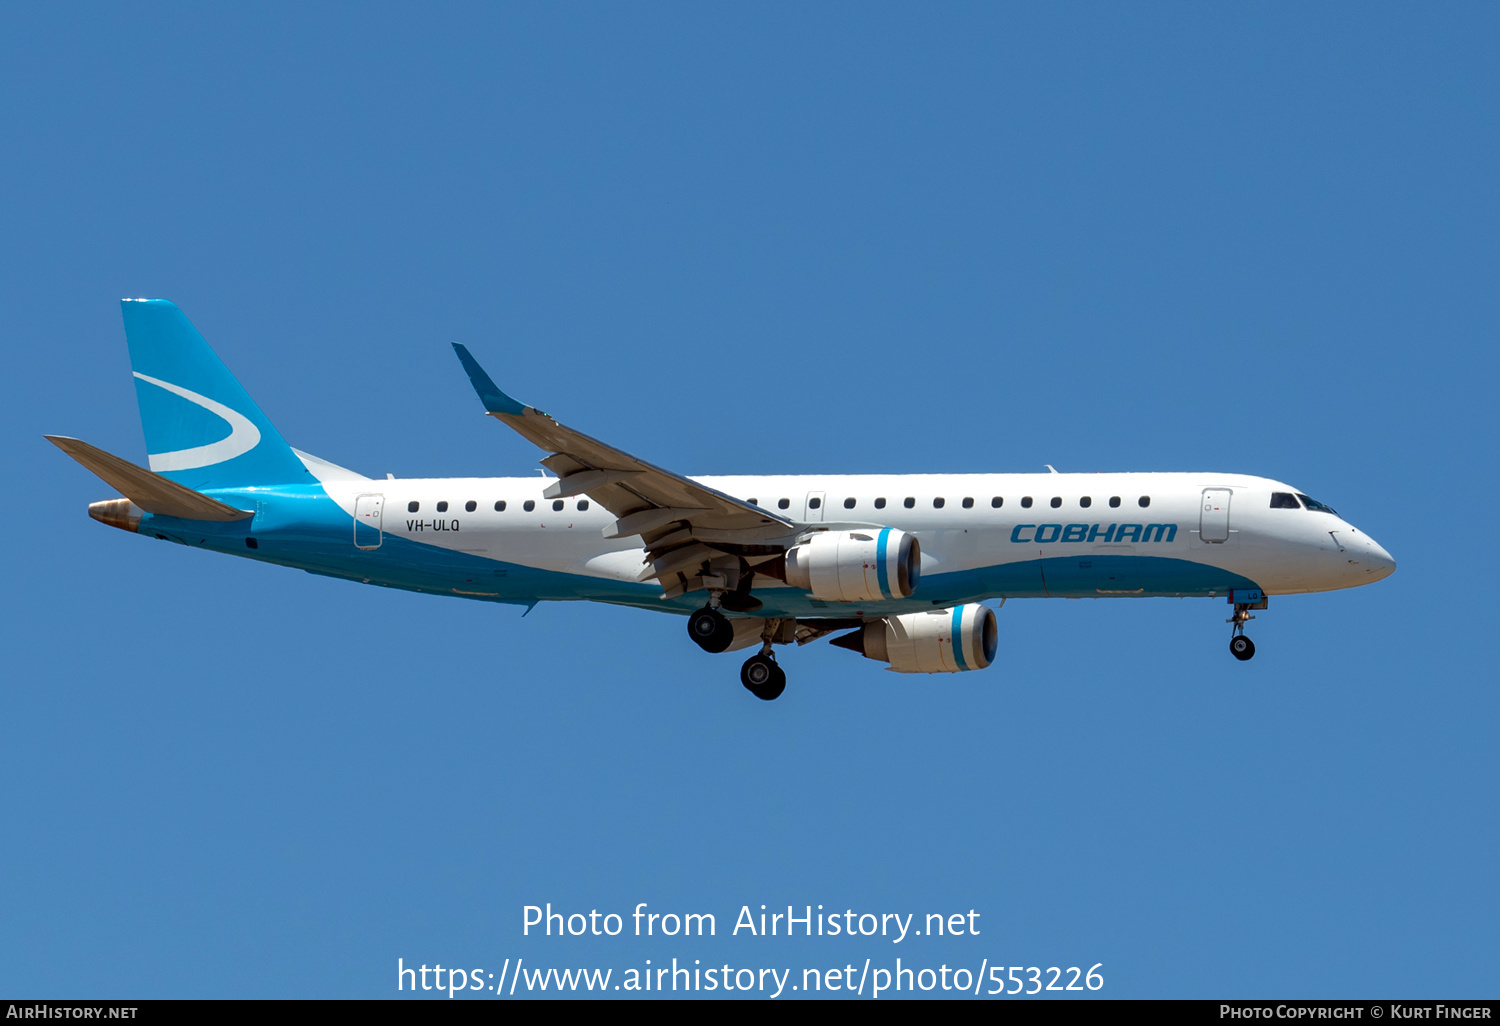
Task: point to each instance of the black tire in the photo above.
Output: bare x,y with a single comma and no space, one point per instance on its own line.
757,672
711,630
776,687
1242,647
763,678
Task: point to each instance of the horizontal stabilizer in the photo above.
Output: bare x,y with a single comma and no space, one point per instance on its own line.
151,492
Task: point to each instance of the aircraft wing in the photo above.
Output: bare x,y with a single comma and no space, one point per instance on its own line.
676,517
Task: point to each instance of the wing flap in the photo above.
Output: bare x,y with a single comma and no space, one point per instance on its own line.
581,481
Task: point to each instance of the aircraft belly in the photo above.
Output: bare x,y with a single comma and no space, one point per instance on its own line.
561,550
1106,576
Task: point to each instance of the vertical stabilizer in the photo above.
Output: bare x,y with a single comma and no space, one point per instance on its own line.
202,429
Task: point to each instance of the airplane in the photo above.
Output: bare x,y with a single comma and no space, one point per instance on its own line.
898,566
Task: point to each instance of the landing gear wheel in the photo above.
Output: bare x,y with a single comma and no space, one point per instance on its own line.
763,678
711,630
1242,647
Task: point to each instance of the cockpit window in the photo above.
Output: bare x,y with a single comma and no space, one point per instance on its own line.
1315,505
1284,500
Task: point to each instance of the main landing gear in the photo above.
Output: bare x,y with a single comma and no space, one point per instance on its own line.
762,677
711,630
1240,646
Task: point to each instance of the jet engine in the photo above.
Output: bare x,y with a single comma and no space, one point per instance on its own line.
856,566
942,641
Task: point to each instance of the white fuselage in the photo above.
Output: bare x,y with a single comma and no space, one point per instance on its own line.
968,525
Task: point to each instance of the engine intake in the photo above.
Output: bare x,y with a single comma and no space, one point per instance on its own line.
942,641
856,566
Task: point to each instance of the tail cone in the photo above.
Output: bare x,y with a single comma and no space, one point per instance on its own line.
121,513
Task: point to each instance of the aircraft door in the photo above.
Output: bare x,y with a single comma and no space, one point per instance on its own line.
367,530
814,510
1213,527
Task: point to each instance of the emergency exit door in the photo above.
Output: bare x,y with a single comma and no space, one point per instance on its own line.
813,511
1214,525
367,531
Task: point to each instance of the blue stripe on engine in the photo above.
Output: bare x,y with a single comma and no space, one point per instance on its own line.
881,576
958,637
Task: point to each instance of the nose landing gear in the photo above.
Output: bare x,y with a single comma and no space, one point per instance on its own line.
1241,647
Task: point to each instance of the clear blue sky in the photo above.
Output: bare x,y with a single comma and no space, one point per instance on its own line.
845,238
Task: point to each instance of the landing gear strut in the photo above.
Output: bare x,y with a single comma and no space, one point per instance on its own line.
762,677
1240,646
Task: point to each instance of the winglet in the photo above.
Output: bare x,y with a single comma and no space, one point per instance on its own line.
495,401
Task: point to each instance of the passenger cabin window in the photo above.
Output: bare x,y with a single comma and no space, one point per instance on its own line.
814,503
1145,500
909,502
996,502
529,505
1315,505
442,507
848,503
470,506
1284,500
783,503
557,505
938,503
412,507
880,503
1057,502
1114,502
968,502
500,506
583,504
1085,502
1025,502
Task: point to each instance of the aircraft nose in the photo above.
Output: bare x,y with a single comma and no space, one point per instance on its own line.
1380,562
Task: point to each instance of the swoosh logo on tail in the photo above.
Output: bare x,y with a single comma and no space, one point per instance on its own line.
243,435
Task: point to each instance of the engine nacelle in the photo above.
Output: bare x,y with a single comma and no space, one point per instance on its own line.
856,566
942,641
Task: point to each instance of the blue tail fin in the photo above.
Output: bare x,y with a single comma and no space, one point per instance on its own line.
202,429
